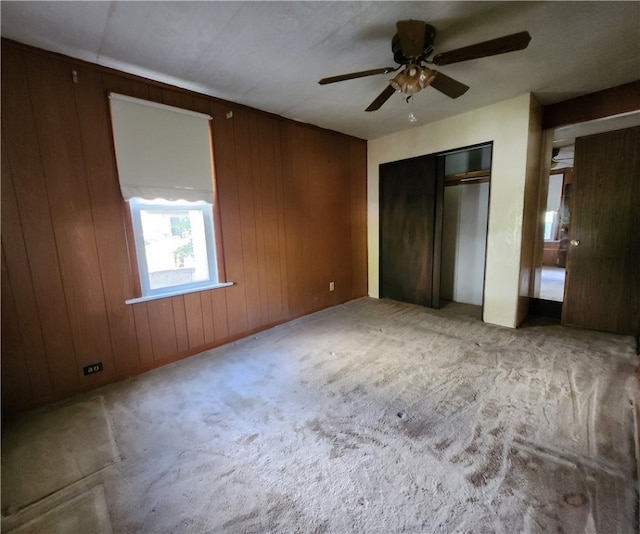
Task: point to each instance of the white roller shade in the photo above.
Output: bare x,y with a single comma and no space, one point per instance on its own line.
161,151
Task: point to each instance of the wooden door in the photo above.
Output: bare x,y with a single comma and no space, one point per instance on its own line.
408,232
603,263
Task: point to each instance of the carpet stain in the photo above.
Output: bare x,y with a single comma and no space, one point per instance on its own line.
243,519
575,499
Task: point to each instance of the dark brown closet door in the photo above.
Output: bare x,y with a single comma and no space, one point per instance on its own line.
408,191
603,263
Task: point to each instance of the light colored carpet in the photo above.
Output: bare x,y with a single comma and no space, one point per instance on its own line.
60,445
86,512
374,417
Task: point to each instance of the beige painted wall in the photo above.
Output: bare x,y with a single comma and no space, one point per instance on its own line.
508,125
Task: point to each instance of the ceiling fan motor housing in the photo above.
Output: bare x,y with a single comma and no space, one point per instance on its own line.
429,39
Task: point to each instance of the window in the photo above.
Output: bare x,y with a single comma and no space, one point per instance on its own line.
174,245
549,225
165,168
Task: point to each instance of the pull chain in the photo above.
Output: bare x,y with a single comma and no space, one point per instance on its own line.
412,115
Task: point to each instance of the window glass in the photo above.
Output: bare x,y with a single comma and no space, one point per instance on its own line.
174,244
549,225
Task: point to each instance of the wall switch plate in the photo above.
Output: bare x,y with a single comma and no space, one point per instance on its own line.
92,369
331,286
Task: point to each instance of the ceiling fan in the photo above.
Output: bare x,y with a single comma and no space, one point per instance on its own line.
412,46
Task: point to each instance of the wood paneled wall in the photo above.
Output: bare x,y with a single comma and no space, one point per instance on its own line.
612,101
292,203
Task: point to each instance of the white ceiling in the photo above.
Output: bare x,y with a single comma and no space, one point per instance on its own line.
270,55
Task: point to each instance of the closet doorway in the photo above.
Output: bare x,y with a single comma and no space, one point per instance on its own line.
467,175
433,227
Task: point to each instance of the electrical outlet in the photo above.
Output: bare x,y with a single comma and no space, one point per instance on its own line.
92,369
331,286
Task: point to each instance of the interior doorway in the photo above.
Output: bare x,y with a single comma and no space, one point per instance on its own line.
592,250
557,225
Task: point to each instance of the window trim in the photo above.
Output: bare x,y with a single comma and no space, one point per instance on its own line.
135,205
176,293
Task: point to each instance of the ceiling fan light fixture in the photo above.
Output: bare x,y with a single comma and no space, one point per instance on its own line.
398,81
412,79
412,75
427,76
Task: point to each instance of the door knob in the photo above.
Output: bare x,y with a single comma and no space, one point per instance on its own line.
574,242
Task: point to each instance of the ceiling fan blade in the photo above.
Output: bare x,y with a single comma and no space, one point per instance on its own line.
353,75
381,98
501,45
450,87
411,34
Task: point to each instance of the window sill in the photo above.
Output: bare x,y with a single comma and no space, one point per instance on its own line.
177,293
